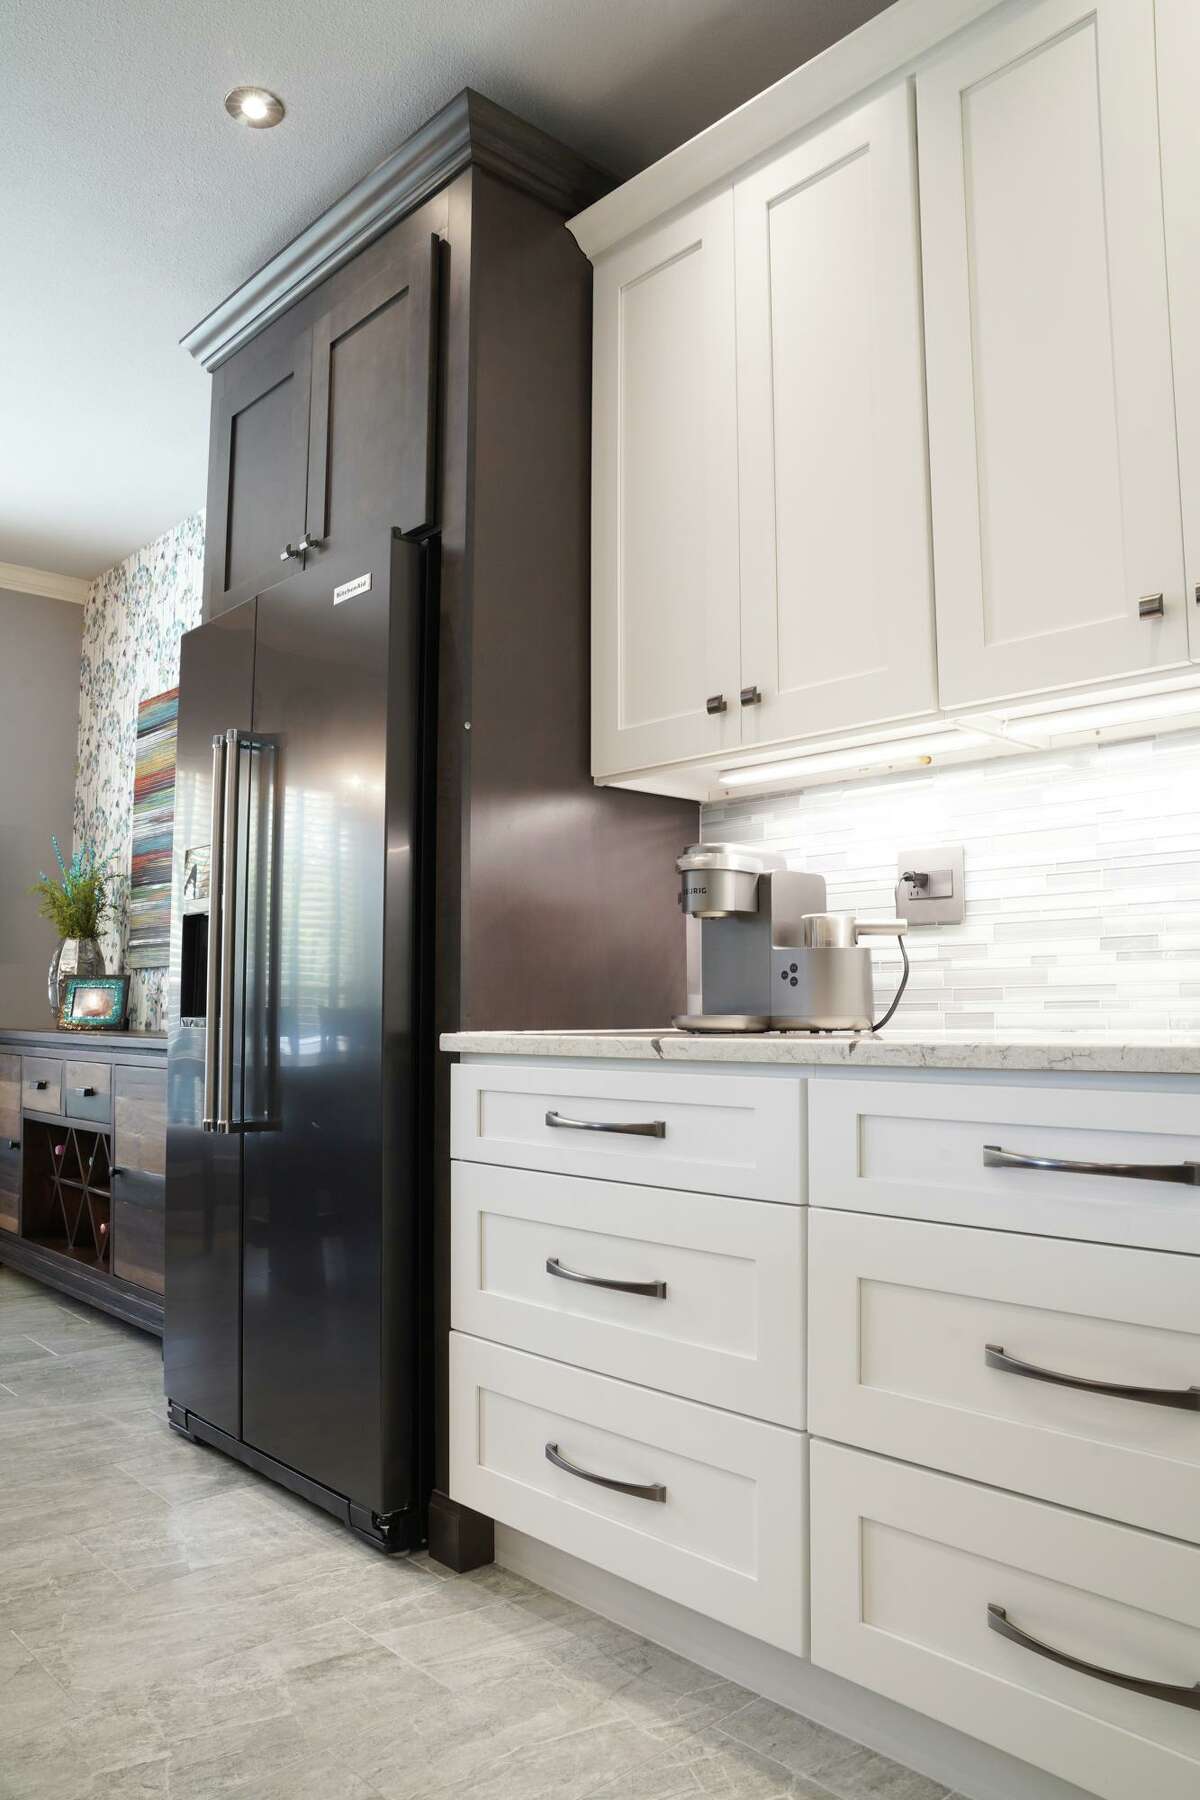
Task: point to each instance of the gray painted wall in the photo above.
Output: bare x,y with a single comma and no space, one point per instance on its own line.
40,644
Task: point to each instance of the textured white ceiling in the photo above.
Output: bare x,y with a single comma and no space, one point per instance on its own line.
130,203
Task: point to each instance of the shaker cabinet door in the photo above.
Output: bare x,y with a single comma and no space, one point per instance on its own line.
1056,519
370,458
836,590
665,529
258,466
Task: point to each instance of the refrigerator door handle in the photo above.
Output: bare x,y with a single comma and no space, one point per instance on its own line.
208,1117
224,1119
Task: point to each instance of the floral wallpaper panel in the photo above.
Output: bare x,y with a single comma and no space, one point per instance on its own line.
133,620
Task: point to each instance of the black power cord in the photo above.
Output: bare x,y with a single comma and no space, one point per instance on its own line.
899,994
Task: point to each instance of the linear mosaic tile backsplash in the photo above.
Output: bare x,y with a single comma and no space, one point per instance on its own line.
1082,882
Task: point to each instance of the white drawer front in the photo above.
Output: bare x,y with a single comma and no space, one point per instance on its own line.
718,1134
729,1538
917,1149
906,1565
728,1330
902,1315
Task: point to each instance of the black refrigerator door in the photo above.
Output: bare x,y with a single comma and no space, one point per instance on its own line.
202,1344
329,1187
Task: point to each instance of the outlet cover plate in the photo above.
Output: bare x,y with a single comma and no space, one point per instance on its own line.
945,901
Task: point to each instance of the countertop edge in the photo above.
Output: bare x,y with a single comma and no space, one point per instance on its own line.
1061,1056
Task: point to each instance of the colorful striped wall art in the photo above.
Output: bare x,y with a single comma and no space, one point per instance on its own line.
153,826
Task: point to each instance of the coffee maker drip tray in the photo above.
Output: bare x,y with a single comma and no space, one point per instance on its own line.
721,1022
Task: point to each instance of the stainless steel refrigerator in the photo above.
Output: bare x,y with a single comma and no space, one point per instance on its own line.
301,1036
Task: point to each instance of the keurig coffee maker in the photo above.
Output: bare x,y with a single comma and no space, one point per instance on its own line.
772,958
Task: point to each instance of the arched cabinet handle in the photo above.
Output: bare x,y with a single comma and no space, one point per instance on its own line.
1185,1399
653,1290
651,1490
1186,1173
998,1620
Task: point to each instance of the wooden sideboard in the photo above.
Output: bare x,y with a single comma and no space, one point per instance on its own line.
83,1118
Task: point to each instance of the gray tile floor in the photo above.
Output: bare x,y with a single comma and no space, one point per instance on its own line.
172,1625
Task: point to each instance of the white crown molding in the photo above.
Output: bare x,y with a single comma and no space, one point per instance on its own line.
44,583
885,45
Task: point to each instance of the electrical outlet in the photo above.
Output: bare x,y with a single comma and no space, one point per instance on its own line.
929,889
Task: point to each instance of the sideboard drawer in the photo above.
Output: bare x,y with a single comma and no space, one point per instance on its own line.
713,1301
139,1228
713,1134
970,1155
140,1119
973,1351
41,1084
717,1521
10,1096
10,1184
87,1091
908,1565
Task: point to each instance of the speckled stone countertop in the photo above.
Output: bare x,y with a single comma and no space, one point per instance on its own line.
1160,1053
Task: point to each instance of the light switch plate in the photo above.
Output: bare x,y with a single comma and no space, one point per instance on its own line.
942,901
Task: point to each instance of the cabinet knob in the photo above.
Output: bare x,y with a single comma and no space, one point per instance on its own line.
716,703
751,696
1151,606
309,542
88,1093
41,1086
290,550
14,1143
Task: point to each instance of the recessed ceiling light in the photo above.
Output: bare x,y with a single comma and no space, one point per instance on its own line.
254,106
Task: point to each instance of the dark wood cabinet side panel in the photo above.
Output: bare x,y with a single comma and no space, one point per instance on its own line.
574,920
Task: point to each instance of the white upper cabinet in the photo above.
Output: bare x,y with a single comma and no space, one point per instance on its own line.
1055,482
1178,38
837,606
664,472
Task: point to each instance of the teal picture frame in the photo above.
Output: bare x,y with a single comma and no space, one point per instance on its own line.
95,1003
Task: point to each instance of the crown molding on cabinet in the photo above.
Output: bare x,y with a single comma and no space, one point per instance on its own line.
885,44
470,132
44,584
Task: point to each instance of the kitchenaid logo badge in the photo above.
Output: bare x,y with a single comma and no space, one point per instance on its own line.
360,585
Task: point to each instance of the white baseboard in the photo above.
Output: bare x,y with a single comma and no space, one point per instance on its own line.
970,1768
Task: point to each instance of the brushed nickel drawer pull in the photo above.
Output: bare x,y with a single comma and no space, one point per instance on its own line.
652,1128
998,1620
1188,1173
41,1086
652,1490
653,1290
1186,1399
1151,606
716,703
89,1093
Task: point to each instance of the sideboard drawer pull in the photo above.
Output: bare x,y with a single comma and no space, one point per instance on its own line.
998,1620
1187,1172
1186,1399
653,1290
656,1128
41,1086
652,1490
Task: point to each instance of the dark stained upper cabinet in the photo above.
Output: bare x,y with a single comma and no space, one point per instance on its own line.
370,456
258,466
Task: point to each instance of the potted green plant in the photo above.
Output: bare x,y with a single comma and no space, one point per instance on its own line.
76,902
